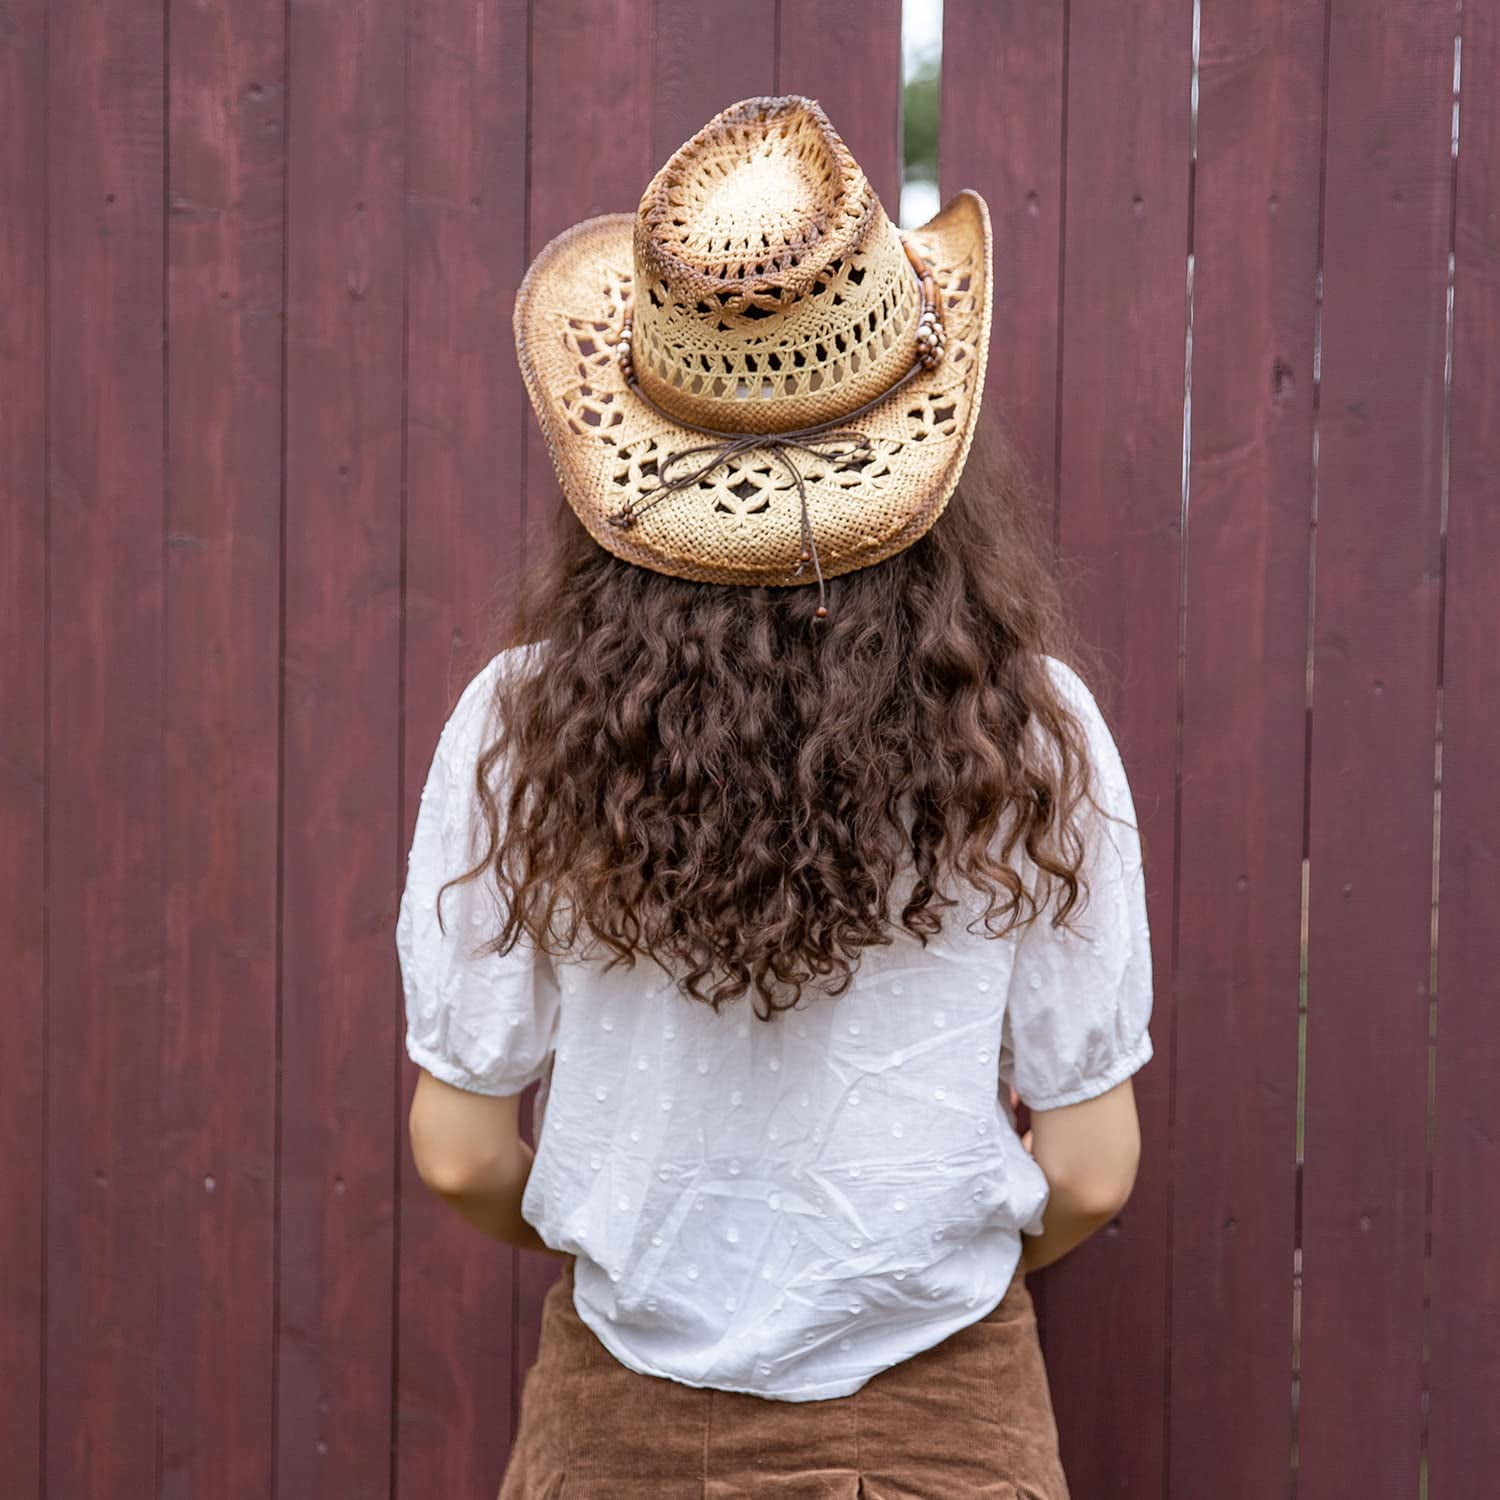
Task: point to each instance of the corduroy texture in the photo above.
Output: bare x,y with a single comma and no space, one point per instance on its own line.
768,291
968,1419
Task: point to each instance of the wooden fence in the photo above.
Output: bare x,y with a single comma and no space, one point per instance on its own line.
265,458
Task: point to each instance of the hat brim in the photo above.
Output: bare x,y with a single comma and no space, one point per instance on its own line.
741,523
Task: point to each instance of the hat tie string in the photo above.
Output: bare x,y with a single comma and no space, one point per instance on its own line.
821,440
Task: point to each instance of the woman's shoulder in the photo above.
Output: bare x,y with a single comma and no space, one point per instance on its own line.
507,662
504,663
1077,697
469,718
1069,684
1099,739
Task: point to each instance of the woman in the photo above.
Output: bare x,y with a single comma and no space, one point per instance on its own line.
782,847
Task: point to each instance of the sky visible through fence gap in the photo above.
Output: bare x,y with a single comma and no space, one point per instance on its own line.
921,70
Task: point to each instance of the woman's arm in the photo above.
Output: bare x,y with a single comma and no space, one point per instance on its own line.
1088,1153
468,1149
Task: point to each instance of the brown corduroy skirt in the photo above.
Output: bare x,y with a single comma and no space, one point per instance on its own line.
968,1419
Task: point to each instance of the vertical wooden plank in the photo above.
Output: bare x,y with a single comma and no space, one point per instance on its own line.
23,732
104,838
466,227
224,248
1124,335
341,789
1370,837
1464,1438
1001,133
1255,241
590,148
846,54
704,62
591,153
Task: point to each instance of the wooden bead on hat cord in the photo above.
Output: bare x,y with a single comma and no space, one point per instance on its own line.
814,439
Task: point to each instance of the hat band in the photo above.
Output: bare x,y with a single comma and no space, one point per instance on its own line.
822,439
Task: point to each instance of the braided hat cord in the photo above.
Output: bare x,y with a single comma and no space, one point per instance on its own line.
725,379
825,439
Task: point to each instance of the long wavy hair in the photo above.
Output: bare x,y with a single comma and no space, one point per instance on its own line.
707,775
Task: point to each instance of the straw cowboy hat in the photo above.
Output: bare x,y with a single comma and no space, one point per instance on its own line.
757,378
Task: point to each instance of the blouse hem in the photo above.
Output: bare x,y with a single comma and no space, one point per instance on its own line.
827,1390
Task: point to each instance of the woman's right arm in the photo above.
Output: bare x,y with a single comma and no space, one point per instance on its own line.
1078,1011
1088,1153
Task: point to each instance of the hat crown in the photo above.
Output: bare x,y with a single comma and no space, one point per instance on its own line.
758,200
770,289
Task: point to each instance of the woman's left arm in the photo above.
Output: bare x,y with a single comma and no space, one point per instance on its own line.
468,1149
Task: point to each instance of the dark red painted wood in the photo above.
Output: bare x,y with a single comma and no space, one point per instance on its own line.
591,153
142,480
1255,240
105,959
465,436
706,59
341,798
1464,1438
23,733
218,1093
846,54
1124,307
1370,839
1001,133
591,148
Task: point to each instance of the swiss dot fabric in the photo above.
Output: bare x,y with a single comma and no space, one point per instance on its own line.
787,1208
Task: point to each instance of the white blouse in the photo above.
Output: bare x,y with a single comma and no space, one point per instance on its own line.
781,1208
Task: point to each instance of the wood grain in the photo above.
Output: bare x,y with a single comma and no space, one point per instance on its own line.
846,54
105,776
23,734
1463,1437
704,61
1255,243
1370,834
1119,523
342,786
466,415
1001,133
223,453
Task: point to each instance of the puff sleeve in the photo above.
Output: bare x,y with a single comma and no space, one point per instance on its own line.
487,1024
1079,1001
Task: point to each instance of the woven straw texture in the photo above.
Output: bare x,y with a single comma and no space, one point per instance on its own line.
772,292
767,291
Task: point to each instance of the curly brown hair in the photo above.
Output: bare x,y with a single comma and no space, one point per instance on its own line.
706,775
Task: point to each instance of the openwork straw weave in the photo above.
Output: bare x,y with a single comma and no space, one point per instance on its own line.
765,291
